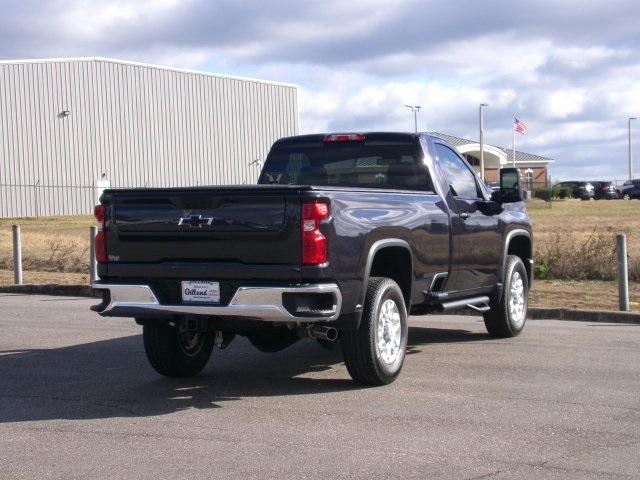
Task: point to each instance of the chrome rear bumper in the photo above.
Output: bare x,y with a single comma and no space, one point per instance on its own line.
258,303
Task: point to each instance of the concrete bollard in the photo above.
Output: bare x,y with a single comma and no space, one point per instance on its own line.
17,255
93,264
623,273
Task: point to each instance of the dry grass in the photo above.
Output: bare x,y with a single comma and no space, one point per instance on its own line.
585,294
6,277
52,244
575,240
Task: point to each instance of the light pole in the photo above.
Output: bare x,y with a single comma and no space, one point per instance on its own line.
415,109
630,151
482,106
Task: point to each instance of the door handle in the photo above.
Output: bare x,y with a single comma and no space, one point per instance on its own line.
464,216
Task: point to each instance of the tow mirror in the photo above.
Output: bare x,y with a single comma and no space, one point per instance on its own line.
510,186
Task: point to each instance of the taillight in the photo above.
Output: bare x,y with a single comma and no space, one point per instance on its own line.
314,243
344,137
101,240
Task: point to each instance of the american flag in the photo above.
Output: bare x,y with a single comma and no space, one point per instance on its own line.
519,126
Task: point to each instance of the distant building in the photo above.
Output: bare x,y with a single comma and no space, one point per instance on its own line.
534,168
71,127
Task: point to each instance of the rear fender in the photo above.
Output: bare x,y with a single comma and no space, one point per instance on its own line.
373,250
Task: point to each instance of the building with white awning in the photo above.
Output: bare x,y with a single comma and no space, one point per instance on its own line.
534,168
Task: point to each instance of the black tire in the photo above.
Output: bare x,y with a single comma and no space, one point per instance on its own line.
499,320
362,354
173,353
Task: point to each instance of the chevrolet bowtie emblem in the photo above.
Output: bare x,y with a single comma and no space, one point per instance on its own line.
195,221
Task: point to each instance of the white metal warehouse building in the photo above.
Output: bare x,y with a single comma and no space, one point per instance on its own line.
69,127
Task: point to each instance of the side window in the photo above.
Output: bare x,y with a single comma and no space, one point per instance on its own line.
456,173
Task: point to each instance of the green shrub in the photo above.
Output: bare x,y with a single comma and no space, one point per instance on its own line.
542,194
542,269
549,193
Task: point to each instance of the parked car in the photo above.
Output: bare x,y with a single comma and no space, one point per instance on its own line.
630,189
604,190
344,236
582,190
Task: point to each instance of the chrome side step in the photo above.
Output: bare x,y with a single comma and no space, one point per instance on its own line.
481,307
479,304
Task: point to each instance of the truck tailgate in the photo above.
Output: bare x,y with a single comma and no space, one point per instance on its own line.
232,225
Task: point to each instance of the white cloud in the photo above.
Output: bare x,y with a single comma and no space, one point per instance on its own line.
569,69
565,102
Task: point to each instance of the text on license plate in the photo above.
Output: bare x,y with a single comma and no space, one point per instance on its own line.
205,292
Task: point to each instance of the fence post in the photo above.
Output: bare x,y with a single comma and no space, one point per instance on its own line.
93,265
623,275
17,255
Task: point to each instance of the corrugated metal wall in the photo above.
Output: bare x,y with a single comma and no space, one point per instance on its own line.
138,125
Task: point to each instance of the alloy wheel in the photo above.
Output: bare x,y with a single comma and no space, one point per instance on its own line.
517,299
389,332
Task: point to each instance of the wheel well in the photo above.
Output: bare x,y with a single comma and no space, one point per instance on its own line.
520,245
394,263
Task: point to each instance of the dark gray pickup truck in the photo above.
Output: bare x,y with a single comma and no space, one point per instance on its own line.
344,236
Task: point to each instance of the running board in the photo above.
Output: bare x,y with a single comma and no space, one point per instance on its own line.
481,307
479,304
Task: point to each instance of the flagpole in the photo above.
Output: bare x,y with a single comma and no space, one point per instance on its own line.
513,127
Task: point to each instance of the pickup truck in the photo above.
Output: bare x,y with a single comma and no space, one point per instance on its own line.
342,238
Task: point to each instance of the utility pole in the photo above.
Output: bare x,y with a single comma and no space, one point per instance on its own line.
482,105
630,151
415,109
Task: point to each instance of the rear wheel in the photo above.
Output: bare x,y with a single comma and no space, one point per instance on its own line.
175,352
626,196
374,353
508,316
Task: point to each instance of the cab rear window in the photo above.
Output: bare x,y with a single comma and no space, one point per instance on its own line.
375,165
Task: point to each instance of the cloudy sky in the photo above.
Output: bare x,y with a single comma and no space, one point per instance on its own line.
570,69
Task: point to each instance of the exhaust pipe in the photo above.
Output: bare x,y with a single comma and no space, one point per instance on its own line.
319,332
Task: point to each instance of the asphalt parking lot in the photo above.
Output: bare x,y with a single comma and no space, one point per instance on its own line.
78,400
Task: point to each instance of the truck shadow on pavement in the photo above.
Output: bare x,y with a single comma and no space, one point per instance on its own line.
111,378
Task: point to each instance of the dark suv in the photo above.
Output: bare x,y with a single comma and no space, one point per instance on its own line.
630,189
582,190
604,190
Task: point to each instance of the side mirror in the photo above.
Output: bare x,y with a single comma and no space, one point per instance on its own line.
510,187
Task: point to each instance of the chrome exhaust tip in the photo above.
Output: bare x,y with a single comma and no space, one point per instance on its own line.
319,332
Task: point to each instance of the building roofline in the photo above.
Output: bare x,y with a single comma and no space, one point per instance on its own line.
147,65
507,151
533,161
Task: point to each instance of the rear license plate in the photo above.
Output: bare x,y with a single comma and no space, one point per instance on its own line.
201,292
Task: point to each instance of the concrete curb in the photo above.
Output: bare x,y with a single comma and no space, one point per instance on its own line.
535,313
50,289
600,316
604,316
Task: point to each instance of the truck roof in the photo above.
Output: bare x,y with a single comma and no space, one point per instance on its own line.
377,136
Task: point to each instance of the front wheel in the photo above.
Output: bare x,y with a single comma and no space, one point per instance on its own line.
509,314
374,353
176,352
626,196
